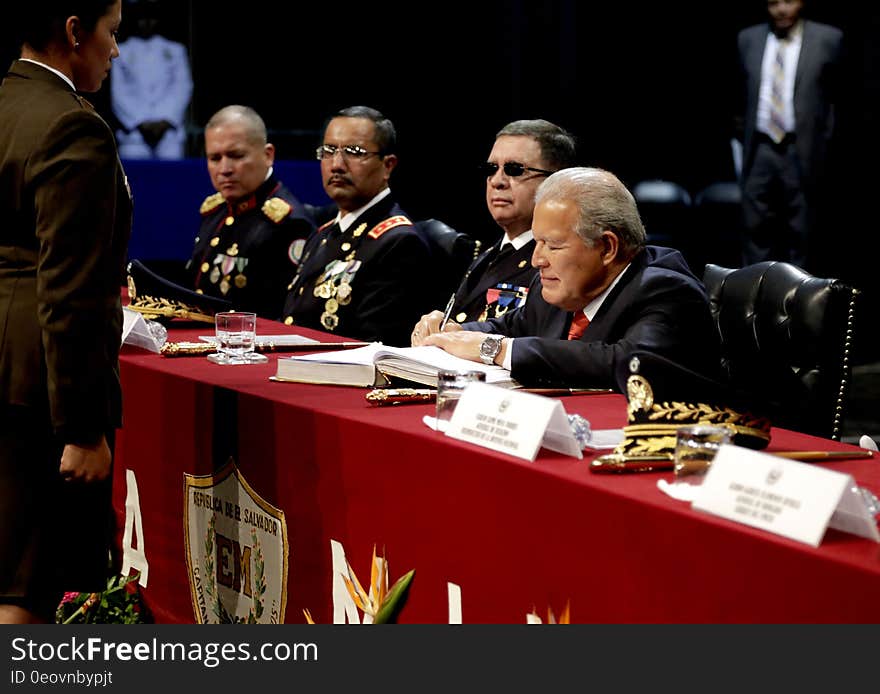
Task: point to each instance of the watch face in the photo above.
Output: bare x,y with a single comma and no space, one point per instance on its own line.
490,348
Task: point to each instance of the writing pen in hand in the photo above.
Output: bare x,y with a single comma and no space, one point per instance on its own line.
447,312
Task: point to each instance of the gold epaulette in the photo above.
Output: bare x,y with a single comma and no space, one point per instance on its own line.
212,202
390,223
276,209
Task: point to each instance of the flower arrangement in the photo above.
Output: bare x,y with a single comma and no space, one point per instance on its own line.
120,603
381,603
564,618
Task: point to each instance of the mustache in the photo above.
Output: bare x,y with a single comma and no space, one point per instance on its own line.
338,178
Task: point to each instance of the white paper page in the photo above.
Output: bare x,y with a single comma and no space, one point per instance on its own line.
439,359
358,355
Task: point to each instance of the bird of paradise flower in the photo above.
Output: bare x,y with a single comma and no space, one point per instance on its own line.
564,617
382,603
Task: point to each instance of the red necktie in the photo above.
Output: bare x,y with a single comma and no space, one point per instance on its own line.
578,325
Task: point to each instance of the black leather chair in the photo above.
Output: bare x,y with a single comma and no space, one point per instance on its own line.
452,252
786,342
717,232
320,214
666,211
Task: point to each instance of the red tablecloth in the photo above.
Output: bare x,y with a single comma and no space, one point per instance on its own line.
514,535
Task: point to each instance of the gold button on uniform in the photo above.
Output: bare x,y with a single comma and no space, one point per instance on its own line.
205,267
288,320
229,220
215,241
460,317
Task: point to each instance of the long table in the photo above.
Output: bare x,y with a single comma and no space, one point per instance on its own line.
506,535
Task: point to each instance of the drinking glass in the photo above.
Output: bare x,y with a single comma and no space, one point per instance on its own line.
236,333
450,385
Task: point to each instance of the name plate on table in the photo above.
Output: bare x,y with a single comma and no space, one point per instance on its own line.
796,500
512,422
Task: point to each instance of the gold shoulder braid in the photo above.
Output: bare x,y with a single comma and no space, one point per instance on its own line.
651,426
212,202
276,209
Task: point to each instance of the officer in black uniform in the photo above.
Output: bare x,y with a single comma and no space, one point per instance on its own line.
253,229
363,273
525,152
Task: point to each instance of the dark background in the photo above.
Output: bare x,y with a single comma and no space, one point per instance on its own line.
647,87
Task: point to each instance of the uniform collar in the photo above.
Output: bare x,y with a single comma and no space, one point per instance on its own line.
267,187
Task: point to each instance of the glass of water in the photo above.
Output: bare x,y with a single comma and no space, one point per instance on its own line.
696,446
236,333
450,385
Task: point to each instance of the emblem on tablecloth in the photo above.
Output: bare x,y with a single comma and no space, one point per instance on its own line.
236,550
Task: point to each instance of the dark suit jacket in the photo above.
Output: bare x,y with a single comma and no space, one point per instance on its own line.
514,271
817,90
66,212
387,261
251,261
658,306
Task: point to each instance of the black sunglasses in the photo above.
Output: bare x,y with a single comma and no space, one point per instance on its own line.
513,169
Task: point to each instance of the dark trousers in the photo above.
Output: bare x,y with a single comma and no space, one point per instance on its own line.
776,208
54,535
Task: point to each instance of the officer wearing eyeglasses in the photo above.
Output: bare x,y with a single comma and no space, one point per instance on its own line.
253,228
363,274
524,154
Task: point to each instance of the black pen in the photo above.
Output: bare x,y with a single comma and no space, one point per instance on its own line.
447,312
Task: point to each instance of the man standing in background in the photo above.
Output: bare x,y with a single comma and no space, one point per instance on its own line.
791,77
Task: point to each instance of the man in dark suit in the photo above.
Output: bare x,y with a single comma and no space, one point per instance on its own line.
525,152
791,77
600,294
253,228
363,272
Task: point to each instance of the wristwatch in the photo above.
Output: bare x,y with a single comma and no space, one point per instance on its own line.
490,348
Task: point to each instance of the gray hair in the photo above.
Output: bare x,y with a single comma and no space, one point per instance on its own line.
603,202
254,125
558,146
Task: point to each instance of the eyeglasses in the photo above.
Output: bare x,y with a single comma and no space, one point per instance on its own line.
513,169
349,152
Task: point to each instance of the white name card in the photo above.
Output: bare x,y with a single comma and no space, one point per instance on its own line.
789,498
512,421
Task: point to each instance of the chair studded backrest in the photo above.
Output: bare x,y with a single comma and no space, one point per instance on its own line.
786,341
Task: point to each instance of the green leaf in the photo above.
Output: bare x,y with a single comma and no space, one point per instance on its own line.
395,600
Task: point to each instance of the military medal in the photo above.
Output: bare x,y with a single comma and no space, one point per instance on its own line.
240,281
343,293
215,275
329,320
224,285
331,305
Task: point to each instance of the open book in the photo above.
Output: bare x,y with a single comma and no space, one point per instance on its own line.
375,364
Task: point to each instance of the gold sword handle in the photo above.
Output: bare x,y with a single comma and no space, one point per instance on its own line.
398,396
